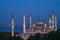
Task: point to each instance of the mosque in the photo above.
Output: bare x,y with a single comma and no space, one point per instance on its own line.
38,27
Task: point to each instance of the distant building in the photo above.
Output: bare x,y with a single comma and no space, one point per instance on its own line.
40,26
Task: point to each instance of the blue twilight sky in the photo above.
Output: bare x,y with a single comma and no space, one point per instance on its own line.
37,8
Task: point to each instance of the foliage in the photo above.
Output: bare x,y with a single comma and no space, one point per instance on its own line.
53,35
7,36
36,37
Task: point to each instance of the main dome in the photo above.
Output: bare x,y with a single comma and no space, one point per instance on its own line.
40,23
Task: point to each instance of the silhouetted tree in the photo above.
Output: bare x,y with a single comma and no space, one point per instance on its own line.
16,38
38,36
10,37
31,38
45,37
35,37
0,36
54,35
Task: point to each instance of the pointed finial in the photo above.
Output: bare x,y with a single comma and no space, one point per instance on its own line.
24,11
53,12
30,14
40,18
50,14
12,15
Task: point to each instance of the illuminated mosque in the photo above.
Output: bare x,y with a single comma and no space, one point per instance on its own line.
38,27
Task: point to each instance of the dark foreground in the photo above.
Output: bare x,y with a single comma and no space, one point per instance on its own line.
53,35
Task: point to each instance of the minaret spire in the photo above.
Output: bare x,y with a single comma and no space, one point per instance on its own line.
24,23
50,26
56,22
49,22
53,19
30,21
12,25
31,25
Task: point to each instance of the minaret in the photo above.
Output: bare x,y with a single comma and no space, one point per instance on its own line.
24,24
55,23
12,25
50,22
53,20
30,21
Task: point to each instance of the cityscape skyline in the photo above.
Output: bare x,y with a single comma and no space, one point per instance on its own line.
29,19
20,23
27,24
36,8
